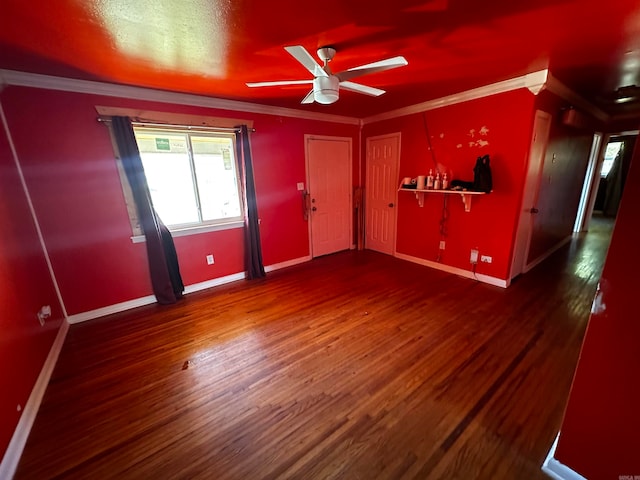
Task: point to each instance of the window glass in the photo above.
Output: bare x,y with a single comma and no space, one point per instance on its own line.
609,157
217,183
191,176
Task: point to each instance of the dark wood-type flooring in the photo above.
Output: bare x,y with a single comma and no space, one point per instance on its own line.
354,366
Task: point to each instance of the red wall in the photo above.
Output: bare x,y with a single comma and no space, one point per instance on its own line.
26,285
70,168
490,224
600,434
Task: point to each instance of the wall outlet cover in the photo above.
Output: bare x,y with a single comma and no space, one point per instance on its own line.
474,256
210,260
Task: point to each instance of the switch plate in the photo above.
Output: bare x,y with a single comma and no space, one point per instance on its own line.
300,186
210,260
486,259
474,256
441,244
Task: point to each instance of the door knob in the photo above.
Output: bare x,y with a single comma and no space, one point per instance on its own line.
533,210
391,205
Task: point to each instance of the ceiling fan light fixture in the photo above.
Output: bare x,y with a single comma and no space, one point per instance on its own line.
325,89
326,85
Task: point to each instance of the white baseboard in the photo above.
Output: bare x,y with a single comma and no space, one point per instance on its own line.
557,470
21,433
149,299
196,287
547,254
498,282
214,282
288,263
108,310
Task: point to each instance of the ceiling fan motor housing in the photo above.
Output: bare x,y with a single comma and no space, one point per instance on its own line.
325,89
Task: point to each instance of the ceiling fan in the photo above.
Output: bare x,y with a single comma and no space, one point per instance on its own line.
326,84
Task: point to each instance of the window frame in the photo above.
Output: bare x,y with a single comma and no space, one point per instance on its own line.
612,164
178,230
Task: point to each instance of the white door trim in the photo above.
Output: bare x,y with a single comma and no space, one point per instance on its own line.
529,184
591,179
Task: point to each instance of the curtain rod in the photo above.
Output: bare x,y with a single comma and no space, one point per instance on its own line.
171,125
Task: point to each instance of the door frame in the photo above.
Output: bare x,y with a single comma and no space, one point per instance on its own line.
397,135
591,181
531,184
308,137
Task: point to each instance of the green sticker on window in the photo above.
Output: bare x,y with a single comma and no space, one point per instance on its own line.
163,144
226,158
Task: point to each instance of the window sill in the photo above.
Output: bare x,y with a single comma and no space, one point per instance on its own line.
184,232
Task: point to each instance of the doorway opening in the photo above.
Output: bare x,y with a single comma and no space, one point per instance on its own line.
605,183
613,175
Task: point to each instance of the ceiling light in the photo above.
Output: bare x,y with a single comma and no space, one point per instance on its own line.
325,89
627,93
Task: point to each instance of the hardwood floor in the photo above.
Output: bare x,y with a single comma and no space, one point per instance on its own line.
355,366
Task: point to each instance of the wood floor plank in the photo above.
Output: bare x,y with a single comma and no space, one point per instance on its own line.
355,365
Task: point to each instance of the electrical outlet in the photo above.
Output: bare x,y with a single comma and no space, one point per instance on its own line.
486,259
44,313
474,256
441,244
300,186
210,260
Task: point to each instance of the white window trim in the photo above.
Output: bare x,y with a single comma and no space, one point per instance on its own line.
175,231
170,118
184,232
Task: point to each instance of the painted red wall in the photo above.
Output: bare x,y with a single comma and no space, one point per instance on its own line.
563,172
600,433
26,285
457,137
69,166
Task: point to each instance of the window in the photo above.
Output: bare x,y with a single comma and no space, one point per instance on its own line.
609,157
191,175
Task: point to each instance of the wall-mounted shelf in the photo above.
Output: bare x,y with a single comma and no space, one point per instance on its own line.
464,194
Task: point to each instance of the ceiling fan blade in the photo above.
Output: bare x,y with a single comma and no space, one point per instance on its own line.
380,66
279,83
300,53
308,98
356,87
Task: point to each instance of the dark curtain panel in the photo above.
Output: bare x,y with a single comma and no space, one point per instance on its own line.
161,252
252,248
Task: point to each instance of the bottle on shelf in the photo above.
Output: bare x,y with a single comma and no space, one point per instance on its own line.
436,183
430,180
445,182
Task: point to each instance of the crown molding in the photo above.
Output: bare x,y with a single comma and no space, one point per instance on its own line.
36,80
533,81
556,86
